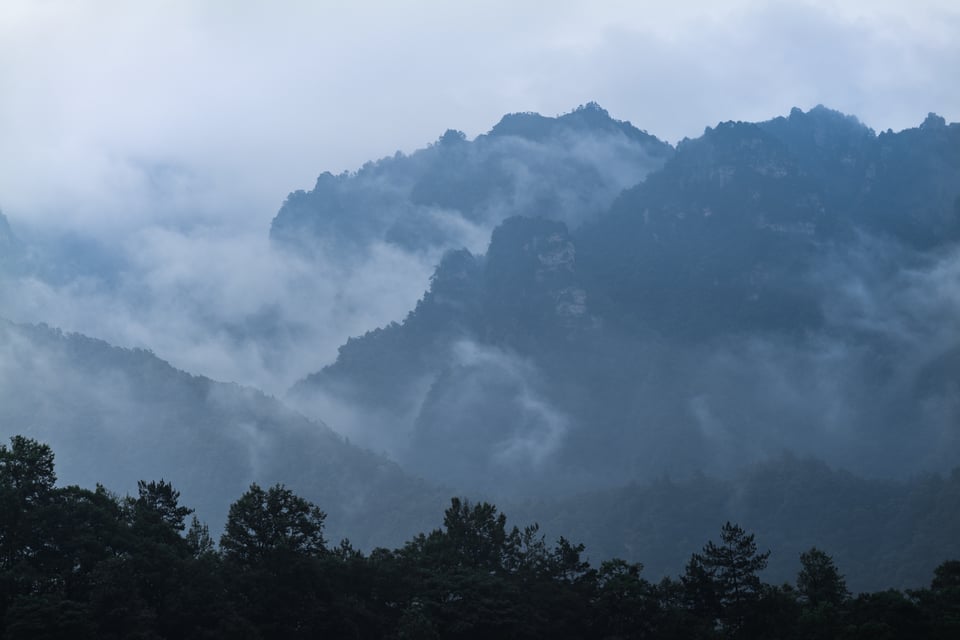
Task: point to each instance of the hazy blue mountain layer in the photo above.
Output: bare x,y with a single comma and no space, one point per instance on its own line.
786,285
569,168
882,533
125,415
606,311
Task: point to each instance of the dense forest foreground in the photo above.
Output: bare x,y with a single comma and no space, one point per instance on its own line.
83,563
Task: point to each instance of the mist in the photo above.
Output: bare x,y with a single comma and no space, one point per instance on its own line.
616,267
646,340
171,124
214,295
218,301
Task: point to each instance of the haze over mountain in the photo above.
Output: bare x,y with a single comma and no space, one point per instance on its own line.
316,270
452,194
123,415
604,311
218,297
787,285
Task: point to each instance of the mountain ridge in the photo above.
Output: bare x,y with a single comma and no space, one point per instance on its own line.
146,417
440,196
739,253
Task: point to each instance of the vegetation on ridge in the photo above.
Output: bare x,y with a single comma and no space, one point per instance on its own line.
89,564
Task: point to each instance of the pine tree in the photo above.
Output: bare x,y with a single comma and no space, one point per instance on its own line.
724,581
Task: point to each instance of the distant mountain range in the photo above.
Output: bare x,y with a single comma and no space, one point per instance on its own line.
772,287
119,415
773,304
568,168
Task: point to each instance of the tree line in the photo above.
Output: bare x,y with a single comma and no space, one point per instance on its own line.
83,563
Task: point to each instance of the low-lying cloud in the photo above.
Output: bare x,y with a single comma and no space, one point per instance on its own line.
223,302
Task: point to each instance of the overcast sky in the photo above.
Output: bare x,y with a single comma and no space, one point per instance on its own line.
114,113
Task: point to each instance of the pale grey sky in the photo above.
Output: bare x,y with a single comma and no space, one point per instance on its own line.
115,113
171,131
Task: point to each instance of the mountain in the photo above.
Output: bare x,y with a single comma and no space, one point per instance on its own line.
448,389
121,415
784,285
774,304
741,215
568,168
881,533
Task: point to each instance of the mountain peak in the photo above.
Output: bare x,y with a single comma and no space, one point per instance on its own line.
590,110
524,124
933,121
586,118
452,137
819,117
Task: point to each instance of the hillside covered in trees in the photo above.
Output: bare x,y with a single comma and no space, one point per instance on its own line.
786,285
84,563
569,168
423,320
626,341
124,413
145,418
